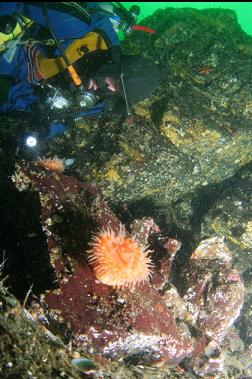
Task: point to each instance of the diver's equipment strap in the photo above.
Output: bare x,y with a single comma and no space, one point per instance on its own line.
72,8
91,42
75,9
31,41
24,22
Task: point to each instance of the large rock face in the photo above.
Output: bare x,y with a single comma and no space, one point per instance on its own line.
195,131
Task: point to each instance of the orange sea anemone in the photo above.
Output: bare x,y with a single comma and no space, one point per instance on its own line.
55,164
119,260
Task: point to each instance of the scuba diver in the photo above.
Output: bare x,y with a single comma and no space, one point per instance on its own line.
65,61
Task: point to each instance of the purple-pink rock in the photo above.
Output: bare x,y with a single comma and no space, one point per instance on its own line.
140,324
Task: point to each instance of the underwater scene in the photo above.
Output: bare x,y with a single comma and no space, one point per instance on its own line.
126,201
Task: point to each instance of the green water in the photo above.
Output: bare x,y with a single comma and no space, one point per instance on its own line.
242,9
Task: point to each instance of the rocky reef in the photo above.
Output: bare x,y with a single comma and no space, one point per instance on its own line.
178,176
137,324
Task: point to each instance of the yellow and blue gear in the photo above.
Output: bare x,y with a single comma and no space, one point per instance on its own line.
50,67
28,61
20,27
67,28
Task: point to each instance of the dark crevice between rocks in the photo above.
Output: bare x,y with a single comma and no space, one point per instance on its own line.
23,244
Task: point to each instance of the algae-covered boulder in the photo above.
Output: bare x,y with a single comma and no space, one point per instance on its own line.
195,131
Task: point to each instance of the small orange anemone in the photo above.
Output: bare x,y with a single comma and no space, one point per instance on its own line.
55,164
119,260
